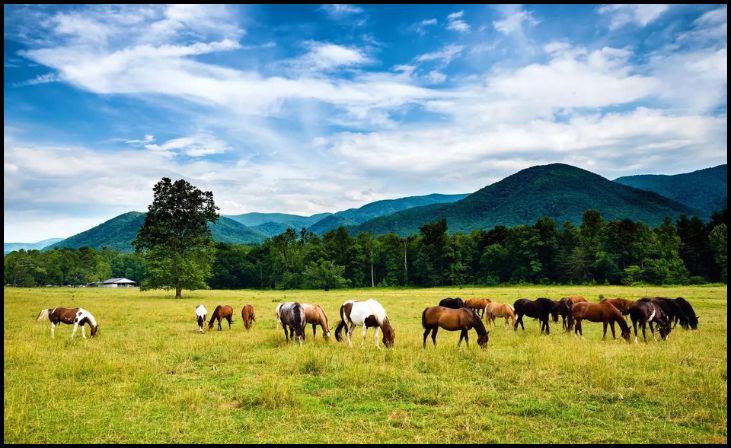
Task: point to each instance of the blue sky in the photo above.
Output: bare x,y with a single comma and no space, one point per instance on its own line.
305,109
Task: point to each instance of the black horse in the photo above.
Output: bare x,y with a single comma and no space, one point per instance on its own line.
671,309
540,309
646,311
689,313
449,302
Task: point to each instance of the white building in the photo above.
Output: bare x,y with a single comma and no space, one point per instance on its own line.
118,283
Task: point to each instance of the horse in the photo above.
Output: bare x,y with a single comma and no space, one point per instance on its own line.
563,307
247,315
646,311
76,316
477,304
672,310
367,313
572,300
200,316
539,309
463,319
598,312
494,309
449,302
292,315
622,305
221,312
689,313
315,315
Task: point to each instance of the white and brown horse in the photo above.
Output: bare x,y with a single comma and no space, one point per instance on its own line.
292,316
315,315
200,316
367,313
76,316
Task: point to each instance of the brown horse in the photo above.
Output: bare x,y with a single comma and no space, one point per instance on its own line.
572,300
598,312
221,312
477,305
315,315
622,305
247,315
452,320
494,309
76,316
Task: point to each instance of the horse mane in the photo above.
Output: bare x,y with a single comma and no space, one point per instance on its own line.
43,314
213,316
323,316
478,325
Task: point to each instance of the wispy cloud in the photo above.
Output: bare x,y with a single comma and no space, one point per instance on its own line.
640,15
455,22
514,16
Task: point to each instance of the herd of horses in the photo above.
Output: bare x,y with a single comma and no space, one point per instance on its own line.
452,314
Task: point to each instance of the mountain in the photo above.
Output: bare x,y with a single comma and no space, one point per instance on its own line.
256,219
9,247
705,190
354,216
118,233
562,192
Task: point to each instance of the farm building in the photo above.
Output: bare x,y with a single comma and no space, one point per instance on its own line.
118,283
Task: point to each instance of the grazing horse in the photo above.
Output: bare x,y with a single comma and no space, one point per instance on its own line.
540,309
647,311
622,305
367,313
689,313
450,319
563,307
76,316
672,310
494,309
477,305
315,315
292,315
452,303
200,316
572,300
221,312
247,315
598,312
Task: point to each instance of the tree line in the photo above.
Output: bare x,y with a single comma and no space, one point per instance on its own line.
597,251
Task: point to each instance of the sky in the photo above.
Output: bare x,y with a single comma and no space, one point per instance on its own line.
307,109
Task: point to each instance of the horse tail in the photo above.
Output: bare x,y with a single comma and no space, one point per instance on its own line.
43,314
341,325
423,318
213,316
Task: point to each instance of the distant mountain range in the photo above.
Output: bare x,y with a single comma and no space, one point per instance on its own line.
9,247
562,192
704,190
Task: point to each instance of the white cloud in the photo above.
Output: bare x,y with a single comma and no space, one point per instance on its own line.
455,22
421,26
327,56
194,146
435,77
514,16
338,10
445,55
640,15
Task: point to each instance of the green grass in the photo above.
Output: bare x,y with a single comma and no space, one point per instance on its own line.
150,377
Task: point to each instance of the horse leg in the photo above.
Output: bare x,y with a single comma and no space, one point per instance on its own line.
350,332
461,336
377,328
83,331
53,330
611,325
467,337
652,330
548,327
634,325
286,335
229,322
642,325
314,331
434,335
76,327
362,341
426,334
604,325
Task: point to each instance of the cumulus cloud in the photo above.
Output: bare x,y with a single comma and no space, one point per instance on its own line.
640,15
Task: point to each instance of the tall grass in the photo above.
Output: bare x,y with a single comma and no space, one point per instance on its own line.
151,377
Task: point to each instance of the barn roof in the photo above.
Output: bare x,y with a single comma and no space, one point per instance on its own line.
119,280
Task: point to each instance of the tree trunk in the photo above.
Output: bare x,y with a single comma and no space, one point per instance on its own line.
178,292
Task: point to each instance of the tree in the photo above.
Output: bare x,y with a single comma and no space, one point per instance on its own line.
175,239
324,275
718,242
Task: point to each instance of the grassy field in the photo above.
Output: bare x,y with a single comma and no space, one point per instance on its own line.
150,377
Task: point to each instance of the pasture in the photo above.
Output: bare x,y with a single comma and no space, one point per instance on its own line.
150,376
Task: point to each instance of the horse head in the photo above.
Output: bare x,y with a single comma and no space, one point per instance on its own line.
482,340
389,333
94,330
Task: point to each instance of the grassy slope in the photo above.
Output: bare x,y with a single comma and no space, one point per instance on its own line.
150,377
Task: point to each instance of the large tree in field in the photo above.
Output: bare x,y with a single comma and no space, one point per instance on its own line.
175,239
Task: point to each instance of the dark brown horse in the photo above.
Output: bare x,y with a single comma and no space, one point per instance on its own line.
455,303
572,300
622,305
563,307
76,316
221,312
541,309
646,311
450,319
598,312
247,315
478,305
